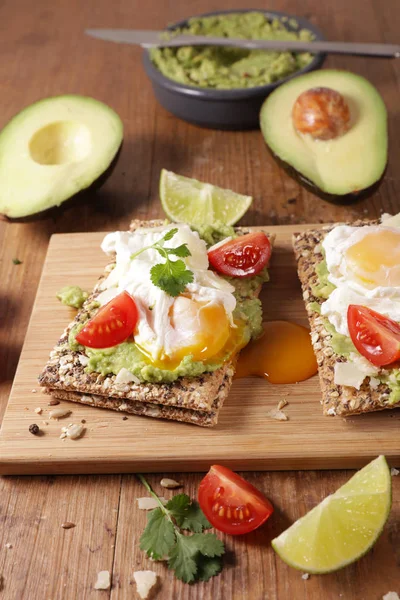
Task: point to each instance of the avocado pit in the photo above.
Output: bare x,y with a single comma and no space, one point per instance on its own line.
60,143
322,113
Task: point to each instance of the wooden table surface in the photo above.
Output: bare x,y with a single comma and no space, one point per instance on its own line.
44,52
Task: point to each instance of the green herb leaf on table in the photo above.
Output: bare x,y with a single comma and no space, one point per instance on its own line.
208,567
159,536
16,261
182,558
188,515
195,557
172,276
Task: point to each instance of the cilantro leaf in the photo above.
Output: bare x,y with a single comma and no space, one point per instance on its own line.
192,557
187,515
159,535
182,558
208,544
169,235
208,567
178,505
172,276
16,261
182,251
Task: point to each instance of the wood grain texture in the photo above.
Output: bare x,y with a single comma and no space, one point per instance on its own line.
245,437
43,52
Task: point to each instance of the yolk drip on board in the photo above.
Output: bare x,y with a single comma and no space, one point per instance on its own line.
283,354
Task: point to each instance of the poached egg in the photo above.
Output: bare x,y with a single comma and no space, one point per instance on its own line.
199,322
364,265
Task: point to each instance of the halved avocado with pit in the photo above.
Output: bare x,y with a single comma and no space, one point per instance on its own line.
353,160
52,150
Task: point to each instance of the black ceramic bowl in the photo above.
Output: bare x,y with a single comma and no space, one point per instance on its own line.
222,109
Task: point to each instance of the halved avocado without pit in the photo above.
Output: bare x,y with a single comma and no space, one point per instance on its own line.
52,150
350,163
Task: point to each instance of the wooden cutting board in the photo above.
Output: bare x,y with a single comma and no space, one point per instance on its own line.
244,439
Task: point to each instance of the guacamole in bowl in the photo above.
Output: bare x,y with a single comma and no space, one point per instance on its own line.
220,67
224,87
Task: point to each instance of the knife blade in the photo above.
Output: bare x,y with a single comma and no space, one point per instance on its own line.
149,39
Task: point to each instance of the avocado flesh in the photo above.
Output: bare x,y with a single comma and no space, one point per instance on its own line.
53,149
345,165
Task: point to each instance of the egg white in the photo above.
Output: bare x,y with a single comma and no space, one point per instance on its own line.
154,332
349,289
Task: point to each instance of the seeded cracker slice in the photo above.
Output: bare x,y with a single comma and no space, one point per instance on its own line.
195,400
336,399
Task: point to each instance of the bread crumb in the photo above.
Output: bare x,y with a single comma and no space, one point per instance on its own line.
38,410
391,596
147,503
305,576
8,546
277,415
394,472
144,580
103,581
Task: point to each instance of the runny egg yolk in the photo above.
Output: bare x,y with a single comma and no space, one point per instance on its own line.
283,354
199,329
204,326
375,259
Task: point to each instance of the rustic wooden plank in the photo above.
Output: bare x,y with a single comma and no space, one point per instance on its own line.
45,560
251,568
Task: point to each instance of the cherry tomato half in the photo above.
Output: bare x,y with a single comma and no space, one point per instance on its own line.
375,336
244,256
231,503
111,325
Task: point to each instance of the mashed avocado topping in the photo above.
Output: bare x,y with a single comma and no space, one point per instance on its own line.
221,67
127,355
212,234
324,287
72,295
341,344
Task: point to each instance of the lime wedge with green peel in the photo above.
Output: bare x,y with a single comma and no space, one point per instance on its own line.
186,200
343,527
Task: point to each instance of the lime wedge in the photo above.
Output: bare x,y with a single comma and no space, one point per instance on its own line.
343,527
186,200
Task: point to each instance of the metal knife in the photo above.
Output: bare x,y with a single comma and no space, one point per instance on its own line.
148,39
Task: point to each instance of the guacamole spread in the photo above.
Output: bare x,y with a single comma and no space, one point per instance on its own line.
221,67
72,295
248,313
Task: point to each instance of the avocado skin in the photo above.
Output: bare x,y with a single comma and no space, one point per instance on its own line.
75,200
342,200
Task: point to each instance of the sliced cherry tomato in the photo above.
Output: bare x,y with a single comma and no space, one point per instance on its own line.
231,503
375,336
111,325
244,256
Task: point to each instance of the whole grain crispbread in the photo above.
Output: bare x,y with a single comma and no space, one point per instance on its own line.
189,399
147,409
336,399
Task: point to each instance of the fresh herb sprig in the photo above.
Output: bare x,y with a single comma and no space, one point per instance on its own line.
172,276
195,557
